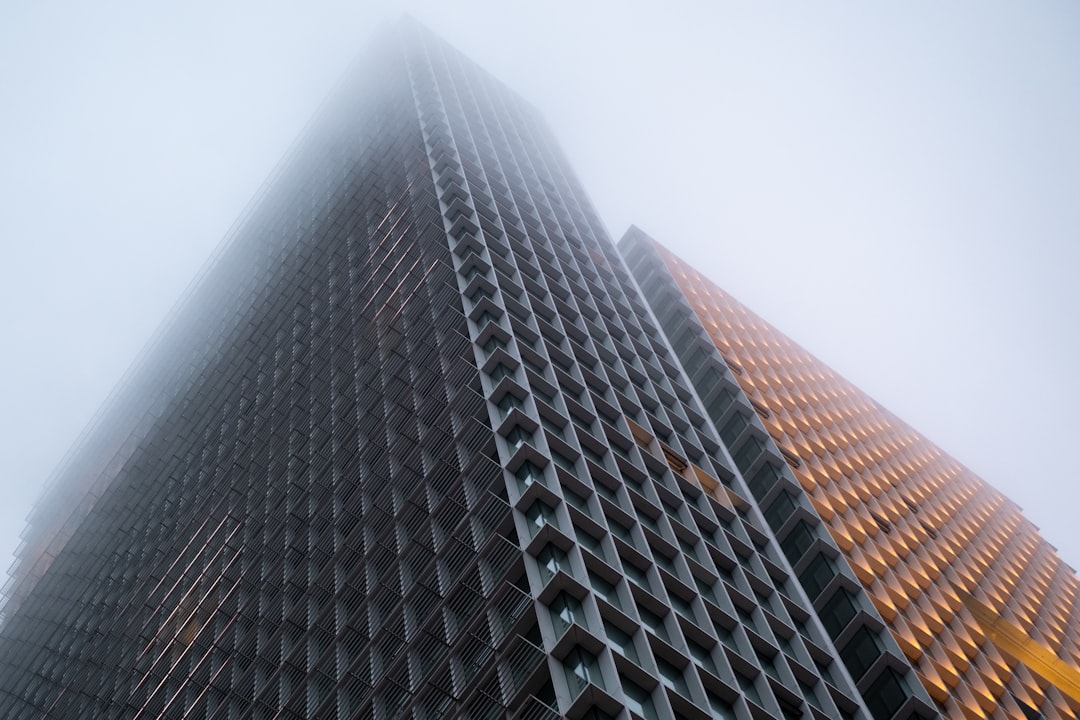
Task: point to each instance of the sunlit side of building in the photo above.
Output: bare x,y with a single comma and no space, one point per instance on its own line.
981,605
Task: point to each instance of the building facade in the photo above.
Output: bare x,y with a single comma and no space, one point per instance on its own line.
415,447
978,601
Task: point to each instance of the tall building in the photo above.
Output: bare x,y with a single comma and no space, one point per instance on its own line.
417,446
979,602
414,446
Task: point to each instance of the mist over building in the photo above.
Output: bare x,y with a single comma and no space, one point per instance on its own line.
415,446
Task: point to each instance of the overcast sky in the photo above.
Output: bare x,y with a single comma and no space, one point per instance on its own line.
898,189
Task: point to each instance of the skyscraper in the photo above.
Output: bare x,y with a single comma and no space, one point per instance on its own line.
980,603
414,447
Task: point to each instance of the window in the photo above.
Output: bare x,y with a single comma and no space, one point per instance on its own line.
726,636
551,559
604,589
518,436
706,590
621,641
719,404
581,669
672,677
501,371
564,462
538,515
798,541
636,575
817,575
780,510
734,427
838,612
702,656
748,453
638,700
860,652
681,606
749,687
486,317
528,473
764,479
587,541
493,344
576,500
508,403
688,548
654,622
719,709
480,293
886,694
565,611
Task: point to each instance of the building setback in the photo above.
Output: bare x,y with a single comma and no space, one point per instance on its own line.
415,447
981,605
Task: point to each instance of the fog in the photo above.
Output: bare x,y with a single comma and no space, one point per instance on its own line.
898,189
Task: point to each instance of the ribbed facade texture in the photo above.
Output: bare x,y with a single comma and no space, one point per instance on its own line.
979,603
414,447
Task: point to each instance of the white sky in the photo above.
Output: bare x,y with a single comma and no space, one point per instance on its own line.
898,189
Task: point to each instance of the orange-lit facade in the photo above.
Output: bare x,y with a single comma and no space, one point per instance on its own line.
965,582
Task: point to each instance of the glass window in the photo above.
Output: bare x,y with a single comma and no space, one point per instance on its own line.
726,636
798,541
621,641
576,500
719,709
780,510
749,687
702,656
565,611
581,669
500,371
518,436
886,694
551,559
528,473
817,575
654,622
860,652
672,677
748,453
719,404
733,428
564,462
493,344
604,589
508,403
706,590
681,606
538,515
764,479
636,575
486,317
590,543
838,612
638,700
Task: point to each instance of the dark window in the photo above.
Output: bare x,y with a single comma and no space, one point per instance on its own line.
838,612
764,479
798,541
730,432
780,510
817,575
860,652
886,694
